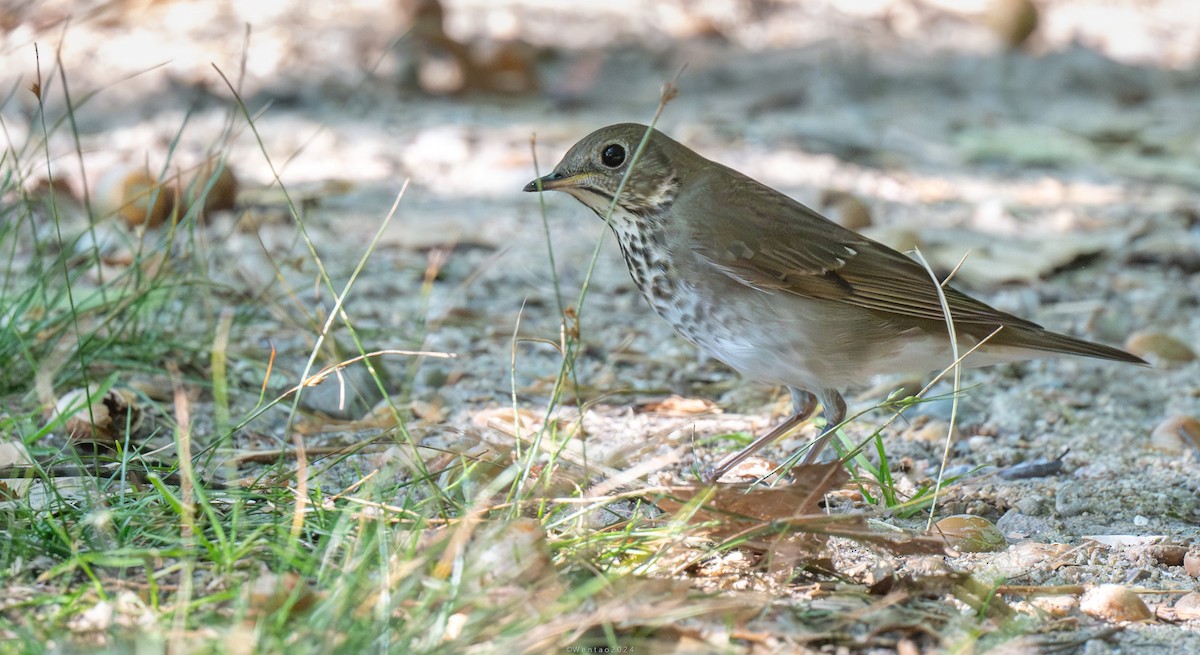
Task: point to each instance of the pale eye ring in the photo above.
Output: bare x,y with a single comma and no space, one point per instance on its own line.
613,155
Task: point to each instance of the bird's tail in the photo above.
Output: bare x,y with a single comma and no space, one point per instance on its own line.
1053,342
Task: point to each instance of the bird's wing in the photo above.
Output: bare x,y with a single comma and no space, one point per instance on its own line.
768,241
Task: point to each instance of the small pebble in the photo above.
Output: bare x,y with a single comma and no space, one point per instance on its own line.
1188,607
1012,21
1176,435
1114,603
1058,607
1136,575
135,195
980,443
1167,554
1191,563
1031,505
1159,347
223,192
347,396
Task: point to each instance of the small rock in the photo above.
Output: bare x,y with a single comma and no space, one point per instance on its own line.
1136,575
1036,555
1191,563
1160,347
138,197
1188,607
927,566
980,443
1030,505
1176,435
1167,554
1012,21
1058,607
1114,603
970,534
347,395
223,192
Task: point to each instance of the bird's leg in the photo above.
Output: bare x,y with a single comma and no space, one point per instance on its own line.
803,404
834,409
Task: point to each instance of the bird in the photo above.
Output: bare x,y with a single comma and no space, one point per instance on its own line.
775,290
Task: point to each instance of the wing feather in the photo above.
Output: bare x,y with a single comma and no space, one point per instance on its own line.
765,240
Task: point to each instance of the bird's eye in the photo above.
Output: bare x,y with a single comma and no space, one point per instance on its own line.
613,155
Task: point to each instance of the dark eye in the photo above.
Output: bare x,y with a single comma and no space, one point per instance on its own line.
613,155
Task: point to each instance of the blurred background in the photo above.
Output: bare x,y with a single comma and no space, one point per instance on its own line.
448,91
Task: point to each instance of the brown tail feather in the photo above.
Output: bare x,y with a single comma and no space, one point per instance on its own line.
1060,343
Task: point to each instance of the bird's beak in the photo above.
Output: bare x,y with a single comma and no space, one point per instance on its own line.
556,180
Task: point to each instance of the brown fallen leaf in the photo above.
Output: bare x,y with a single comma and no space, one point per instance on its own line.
97,420
786,522
742,503
680,406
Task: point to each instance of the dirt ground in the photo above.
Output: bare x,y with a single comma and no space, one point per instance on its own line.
1068,168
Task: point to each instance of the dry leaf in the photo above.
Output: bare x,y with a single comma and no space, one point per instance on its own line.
681,407
968,533
781,521
103,422
742,503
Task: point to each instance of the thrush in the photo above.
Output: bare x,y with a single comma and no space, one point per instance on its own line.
775,290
